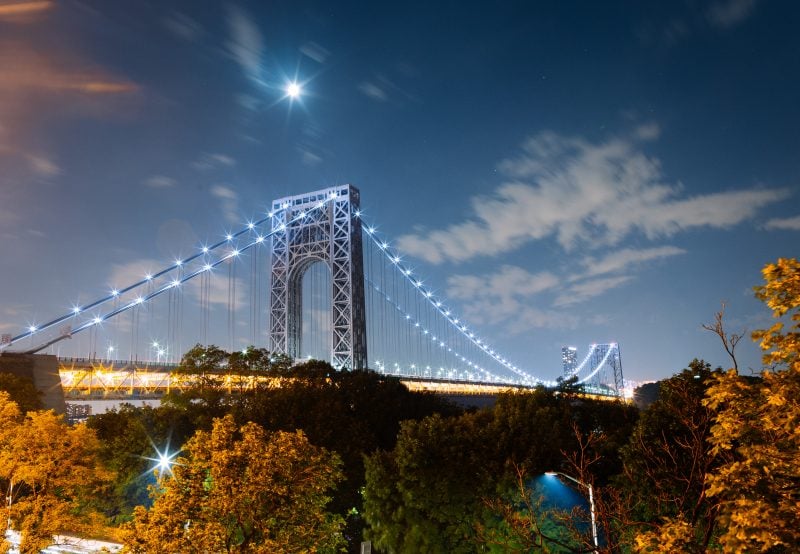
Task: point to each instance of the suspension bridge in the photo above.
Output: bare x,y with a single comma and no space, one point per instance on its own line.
337,291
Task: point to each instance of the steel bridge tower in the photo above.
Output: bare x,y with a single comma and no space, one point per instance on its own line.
609,355
304,234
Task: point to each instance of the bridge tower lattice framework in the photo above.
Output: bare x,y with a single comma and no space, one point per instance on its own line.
330,234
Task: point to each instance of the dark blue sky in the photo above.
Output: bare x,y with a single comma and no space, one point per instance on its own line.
563,172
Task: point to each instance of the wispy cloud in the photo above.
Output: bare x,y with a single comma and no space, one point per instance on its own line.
577,192
728,13
505,298
309,158
520,301
23,70
585,290
23,11
246,43
627,257
37,84
315,52
183,26
373,91
786,223
160,182
211,161
229,201
382,89
43,166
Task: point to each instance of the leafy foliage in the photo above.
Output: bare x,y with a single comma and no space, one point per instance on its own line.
243,490
439,488
129,438
758,426
22,391
667,460
50,471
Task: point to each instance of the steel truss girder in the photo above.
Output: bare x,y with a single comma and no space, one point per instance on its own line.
331,235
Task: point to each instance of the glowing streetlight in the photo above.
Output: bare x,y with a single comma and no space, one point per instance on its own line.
591,501
293,90
163,463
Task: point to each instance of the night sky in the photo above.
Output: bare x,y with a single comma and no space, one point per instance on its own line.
562,172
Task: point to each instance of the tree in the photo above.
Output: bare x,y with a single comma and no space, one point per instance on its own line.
243,490
525,524
50,471
425,495
22,391
130,438
756,426
449,482
666,463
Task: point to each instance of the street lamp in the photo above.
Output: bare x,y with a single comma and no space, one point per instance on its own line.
591,501
163,463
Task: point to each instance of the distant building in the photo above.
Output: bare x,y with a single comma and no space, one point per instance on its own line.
78,412
569,360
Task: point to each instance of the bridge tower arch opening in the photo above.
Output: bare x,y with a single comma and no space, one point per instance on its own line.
313,281
320,226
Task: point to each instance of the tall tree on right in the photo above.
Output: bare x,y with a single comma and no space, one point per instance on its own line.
758,425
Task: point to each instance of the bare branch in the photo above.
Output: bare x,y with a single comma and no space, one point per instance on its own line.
729,341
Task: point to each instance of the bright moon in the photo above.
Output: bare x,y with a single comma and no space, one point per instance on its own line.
293,90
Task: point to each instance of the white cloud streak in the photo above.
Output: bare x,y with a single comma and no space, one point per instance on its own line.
160,182
373,91
209,161
580,192
728,13
623,259
586,290
229,201
183,26
505,298
246,43
786,224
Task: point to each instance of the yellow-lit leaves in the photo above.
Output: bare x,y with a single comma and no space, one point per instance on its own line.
243,490
758,423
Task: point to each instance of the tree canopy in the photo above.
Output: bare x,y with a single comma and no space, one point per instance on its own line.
757,425
243,490
50,471
22,391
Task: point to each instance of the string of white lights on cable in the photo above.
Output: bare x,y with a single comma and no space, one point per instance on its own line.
204,251
437,341
439,306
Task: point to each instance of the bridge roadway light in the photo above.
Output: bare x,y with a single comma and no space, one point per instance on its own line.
591,501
